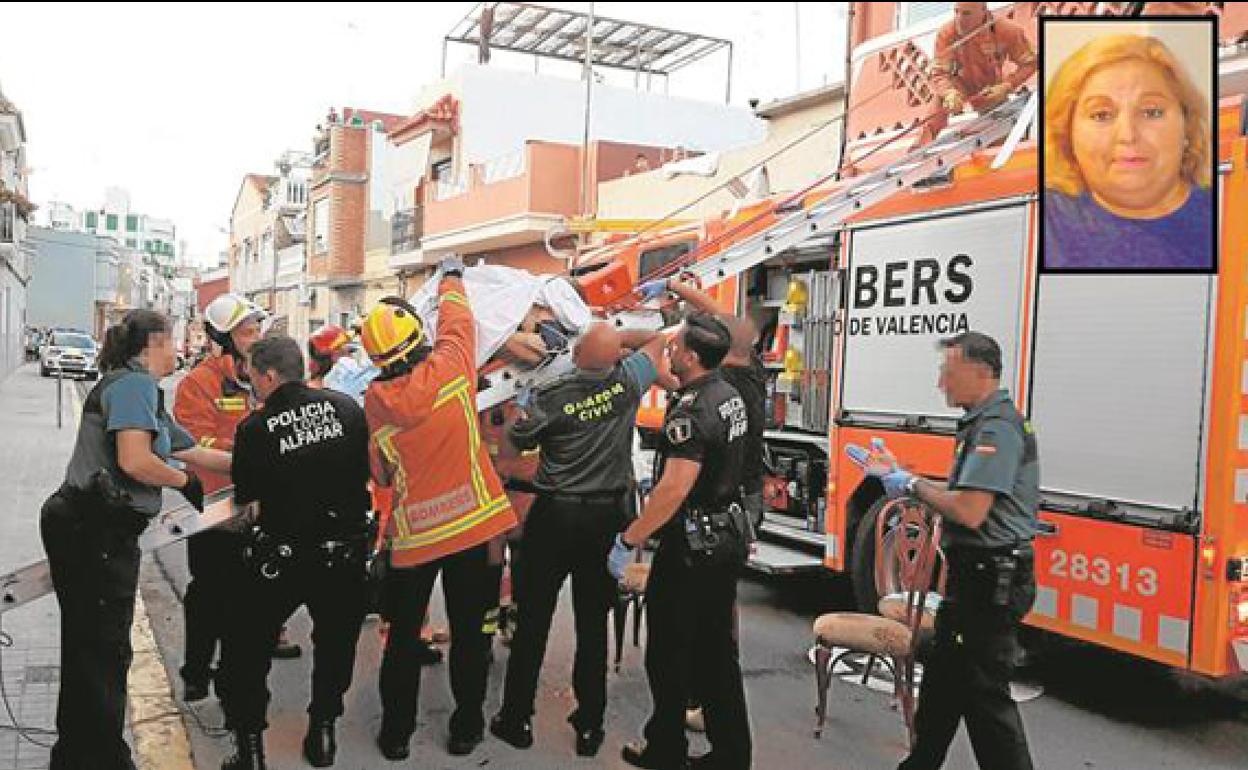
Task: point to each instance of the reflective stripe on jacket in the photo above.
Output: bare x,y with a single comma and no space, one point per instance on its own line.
427,445
210,403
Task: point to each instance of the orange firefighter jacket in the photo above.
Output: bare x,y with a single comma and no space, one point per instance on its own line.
427,445
979,61
210,403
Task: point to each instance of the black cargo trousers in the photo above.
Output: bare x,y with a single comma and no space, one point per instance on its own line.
214,558
565,535
93,554
967,675
330,582
692,647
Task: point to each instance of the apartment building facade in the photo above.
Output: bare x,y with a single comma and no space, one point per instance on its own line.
15,212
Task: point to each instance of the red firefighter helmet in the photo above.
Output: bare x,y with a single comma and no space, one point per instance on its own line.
328,339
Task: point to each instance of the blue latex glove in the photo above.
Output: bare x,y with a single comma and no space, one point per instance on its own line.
858,455
524,397
350,378
895,482
621,556
451,265
652,289
879,463
875,462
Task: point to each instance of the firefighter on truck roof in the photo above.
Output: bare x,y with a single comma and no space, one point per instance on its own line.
967,67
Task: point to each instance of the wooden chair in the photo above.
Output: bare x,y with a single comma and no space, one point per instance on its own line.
631,593
907,548
631,596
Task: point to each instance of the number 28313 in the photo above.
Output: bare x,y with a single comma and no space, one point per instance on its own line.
1100,571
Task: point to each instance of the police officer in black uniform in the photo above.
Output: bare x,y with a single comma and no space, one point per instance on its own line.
584,425
304,459
989,509
692,590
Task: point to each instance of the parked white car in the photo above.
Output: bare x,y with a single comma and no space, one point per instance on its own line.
69,353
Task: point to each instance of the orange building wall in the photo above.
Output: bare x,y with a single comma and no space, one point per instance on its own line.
554,174
531,257
343,179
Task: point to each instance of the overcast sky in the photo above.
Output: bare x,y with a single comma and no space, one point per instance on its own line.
176,102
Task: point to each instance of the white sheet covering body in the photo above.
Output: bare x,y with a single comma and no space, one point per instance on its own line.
500,297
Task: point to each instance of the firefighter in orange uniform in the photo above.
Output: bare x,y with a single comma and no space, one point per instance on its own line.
968,65
448,505
210,403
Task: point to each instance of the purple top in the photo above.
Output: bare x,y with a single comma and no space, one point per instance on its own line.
1080,235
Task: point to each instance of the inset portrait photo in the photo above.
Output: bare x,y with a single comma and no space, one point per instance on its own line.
1127,145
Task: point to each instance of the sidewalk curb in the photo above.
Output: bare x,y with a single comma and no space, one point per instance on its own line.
161,740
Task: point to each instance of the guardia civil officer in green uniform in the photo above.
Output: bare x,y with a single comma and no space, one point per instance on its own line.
583,424
989,509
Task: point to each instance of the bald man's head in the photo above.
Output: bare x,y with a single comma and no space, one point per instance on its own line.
599,347
743,337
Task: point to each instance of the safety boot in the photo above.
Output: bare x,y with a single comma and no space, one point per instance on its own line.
319,746
248,752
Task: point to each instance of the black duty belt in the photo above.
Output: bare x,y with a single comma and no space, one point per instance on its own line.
720,507
270,554
596,498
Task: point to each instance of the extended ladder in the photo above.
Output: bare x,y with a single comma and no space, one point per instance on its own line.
24,585
1009,119
863,192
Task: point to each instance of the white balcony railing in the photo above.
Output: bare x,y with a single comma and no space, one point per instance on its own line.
503,167
497,169
444,189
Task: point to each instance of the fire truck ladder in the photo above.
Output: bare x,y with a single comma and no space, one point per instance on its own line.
1008,119
955,144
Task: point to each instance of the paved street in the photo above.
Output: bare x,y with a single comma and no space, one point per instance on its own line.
1098,711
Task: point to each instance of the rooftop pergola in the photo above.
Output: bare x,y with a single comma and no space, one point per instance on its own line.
553,33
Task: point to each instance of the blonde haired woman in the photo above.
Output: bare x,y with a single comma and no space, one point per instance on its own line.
1127,161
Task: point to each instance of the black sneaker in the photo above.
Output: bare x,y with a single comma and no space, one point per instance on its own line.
638,755
518,734
194,690
392,748
589,741
319,745
427,654
463,745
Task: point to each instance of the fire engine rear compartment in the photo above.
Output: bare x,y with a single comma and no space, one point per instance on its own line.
1114,375
1118,392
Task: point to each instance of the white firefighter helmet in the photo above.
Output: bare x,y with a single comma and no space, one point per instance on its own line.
225,314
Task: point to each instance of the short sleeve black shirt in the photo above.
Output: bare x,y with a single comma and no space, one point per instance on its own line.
304,458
